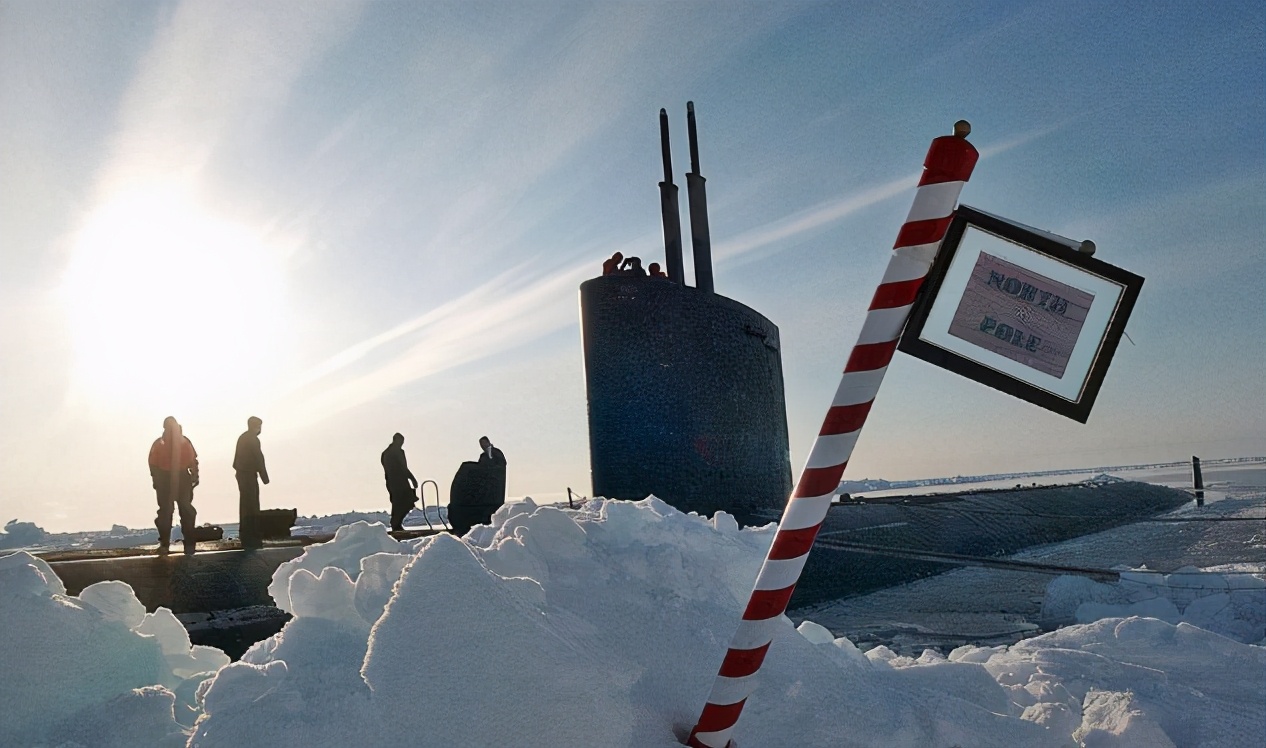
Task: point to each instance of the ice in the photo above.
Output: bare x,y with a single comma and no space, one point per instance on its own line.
22,575
17,534
89,670
121,537
1232,603
139,717
605,625
330,523
1198,688
116,601
351,543
1115,720
551,627
184,659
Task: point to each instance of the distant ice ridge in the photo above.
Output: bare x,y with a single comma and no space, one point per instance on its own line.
1232,604
600,626
93,670
17,534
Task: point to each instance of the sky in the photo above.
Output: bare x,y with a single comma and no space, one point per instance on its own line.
357,218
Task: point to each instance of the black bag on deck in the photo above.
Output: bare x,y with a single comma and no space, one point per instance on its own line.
204,533
476,493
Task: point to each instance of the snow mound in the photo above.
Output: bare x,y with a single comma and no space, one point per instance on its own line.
1135,682
92,670
1232,604
606,625
603,625
351,544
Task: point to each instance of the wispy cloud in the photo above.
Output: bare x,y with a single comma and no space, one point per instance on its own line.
765,240
213,66
515,308
520,306
502,314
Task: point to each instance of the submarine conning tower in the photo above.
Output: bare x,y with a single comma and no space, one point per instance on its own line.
684,386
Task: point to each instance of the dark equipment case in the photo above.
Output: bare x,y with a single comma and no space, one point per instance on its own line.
477,492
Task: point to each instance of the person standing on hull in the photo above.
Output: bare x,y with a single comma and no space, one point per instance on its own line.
401,485
173,467
248,464
490,455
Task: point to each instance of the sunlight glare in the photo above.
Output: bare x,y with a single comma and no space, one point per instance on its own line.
170,307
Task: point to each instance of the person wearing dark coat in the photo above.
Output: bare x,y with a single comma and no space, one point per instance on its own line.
490,455
173,469
248,464
401,485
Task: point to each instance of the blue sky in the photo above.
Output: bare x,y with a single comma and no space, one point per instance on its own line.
354,218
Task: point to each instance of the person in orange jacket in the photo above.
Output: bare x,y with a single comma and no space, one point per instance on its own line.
173,467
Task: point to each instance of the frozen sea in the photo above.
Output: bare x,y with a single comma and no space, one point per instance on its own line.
993,606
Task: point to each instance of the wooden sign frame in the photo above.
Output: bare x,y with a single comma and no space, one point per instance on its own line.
1022,311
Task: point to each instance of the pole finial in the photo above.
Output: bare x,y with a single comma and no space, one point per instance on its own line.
962,128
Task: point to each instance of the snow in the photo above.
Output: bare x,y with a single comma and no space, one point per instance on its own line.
93,670
605,626
1233,605
330,523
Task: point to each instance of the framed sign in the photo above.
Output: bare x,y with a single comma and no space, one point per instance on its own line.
1022,311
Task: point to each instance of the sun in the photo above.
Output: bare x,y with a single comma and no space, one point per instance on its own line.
171,307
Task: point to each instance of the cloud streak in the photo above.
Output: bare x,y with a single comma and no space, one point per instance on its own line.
763,240
213,66
499,315
514,308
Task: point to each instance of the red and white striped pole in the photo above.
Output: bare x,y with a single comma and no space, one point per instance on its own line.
946,169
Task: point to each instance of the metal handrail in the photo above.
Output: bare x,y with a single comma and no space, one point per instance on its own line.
422,493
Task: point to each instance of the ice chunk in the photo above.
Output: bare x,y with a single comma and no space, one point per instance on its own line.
22,574
116,601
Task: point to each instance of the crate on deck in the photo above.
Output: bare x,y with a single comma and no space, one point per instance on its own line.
275,524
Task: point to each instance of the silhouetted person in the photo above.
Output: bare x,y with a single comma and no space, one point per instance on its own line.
633,266
248,463
173,466
490,455
611,266
401,485
656,272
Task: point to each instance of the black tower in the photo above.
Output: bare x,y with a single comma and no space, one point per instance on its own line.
685,387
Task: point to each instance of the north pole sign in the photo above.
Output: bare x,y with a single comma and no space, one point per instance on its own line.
1023,311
